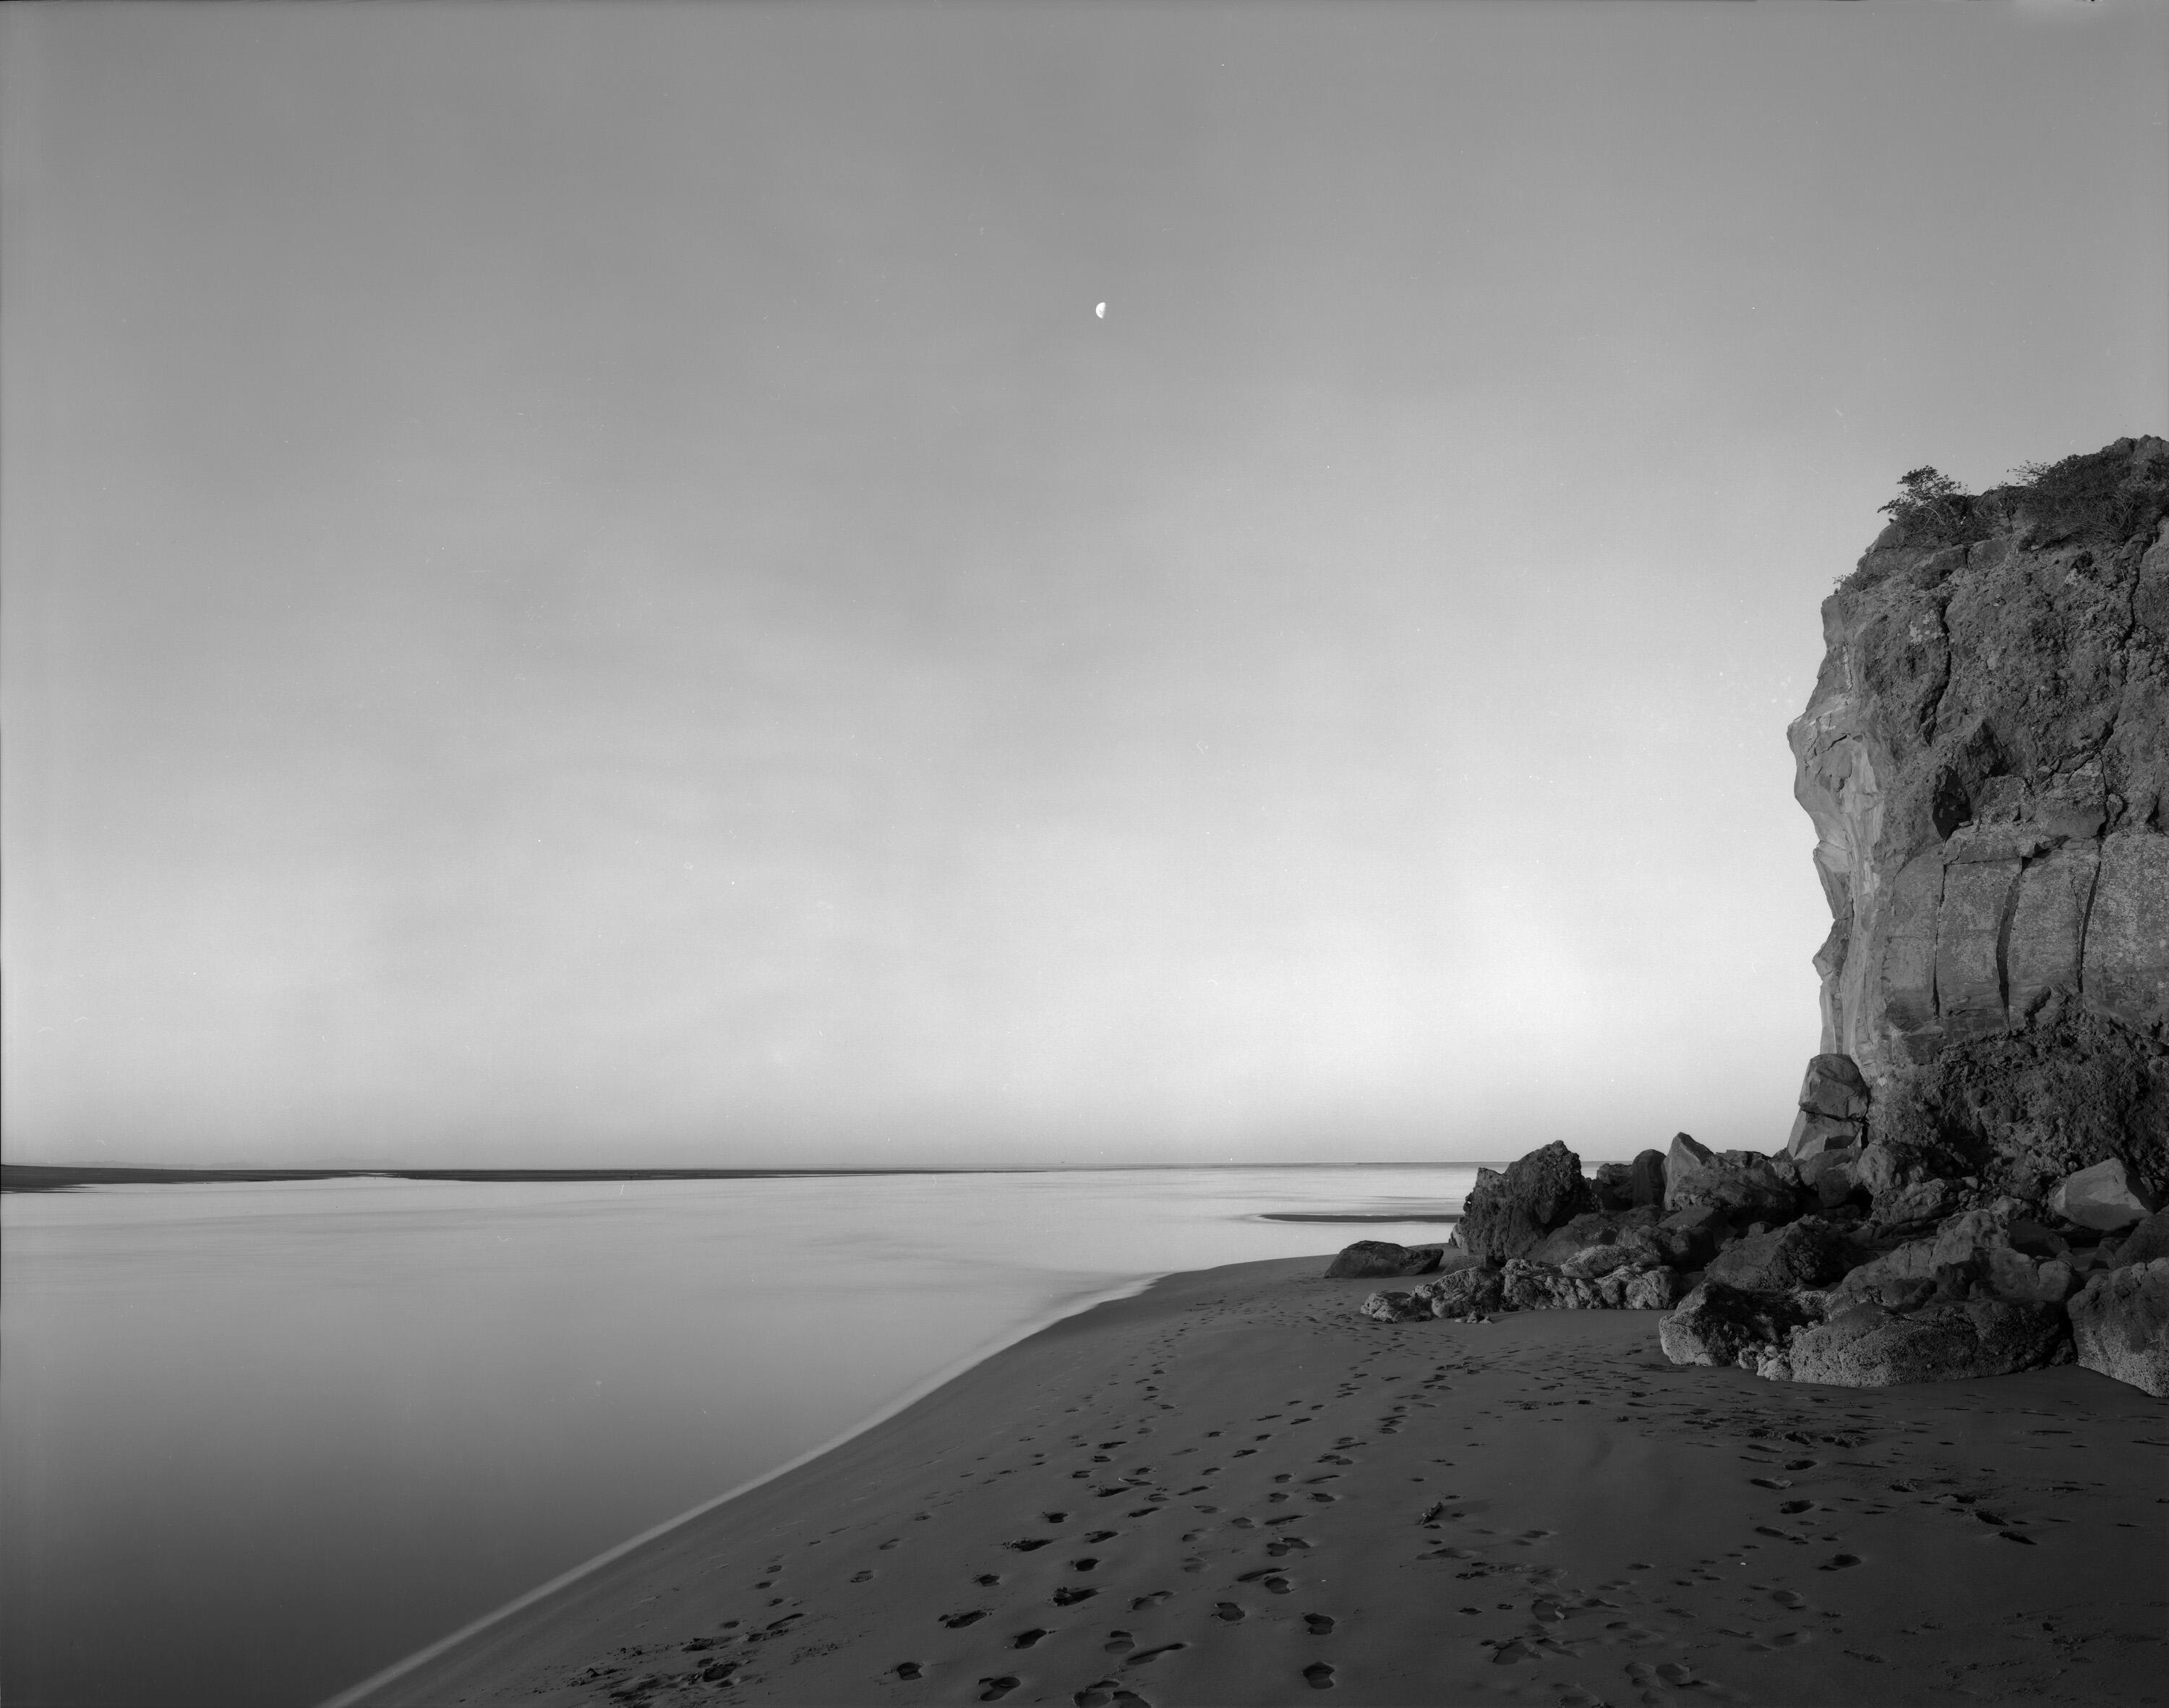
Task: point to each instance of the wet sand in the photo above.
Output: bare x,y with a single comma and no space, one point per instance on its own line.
1231,1489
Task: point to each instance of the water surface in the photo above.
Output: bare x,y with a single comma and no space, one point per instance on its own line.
258,1441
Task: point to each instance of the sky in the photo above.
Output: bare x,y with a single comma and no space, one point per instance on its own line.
584,586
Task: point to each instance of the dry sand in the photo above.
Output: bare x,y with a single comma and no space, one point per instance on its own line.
1232,1489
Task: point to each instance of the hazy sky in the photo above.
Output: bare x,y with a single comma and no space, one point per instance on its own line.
584,584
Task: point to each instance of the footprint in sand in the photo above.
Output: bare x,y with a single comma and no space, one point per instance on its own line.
1070,1597
1102,1535
1119,1642
1152,1600
958,1621
1838,1562
1229,1611
987,1580
1320,1624
1319,1676
995,1688
863,1578
1789,1507
907,1669
1086,1564
1107,1693
1025,1638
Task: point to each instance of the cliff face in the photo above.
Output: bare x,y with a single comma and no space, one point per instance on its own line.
1985,757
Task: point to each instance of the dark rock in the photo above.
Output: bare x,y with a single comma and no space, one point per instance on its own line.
1688,1239
1889,1165
1719,1324
2120,1324
1471,1292
1508,1214
1834,1087
1867,1345
1807,1253
1814,1135
1636,1185
1742,1183
2146,1242
1611,1184
1580,1233
2103,1197
1658,1289
1396,1307
1382,1257
1830,1176
1920,1205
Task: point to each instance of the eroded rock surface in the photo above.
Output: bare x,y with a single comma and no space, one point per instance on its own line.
2120,1324
1985,756
1509,1213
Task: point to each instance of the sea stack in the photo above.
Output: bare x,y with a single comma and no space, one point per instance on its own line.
1985,756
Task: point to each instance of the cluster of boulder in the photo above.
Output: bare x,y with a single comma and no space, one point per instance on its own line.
1886,1265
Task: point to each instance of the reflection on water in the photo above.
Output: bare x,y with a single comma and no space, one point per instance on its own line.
258,1441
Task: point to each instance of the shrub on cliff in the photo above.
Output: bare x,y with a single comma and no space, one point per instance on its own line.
1932,509
2108,495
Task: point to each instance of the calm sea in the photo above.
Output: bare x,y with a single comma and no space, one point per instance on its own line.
258,1441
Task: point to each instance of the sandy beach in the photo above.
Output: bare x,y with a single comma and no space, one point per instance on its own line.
1232,1489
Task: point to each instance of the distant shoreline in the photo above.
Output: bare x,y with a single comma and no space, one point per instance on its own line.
36,1176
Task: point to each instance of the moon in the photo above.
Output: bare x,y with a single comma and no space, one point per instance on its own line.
1101,310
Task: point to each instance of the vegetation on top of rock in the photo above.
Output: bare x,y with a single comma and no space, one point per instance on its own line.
2108,494
1932,509
2109,497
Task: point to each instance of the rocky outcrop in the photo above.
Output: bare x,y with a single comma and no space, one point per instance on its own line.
1869,1345
1382,1259
1724,1326
1744,1184
2120,1324
1985,756
1506,1215
1806,1253
1626,1186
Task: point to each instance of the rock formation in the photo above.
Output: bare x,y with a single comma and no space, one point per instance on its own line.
1985,756
1973,1181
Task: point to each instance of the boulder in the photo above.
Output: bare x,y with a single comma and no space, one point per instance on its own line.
1807,1253
1920,1205
1658,1288
1891,1165
1867,1345
1626,1186
1812,1134
1834,1087
1508,1213
1397,1307
2104,1196
1471,1292
2146,1242
2120,1325
1742,1183
1382,1258
1688,1239
1829,1175
1611,1184
1725,1325
1592,1228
